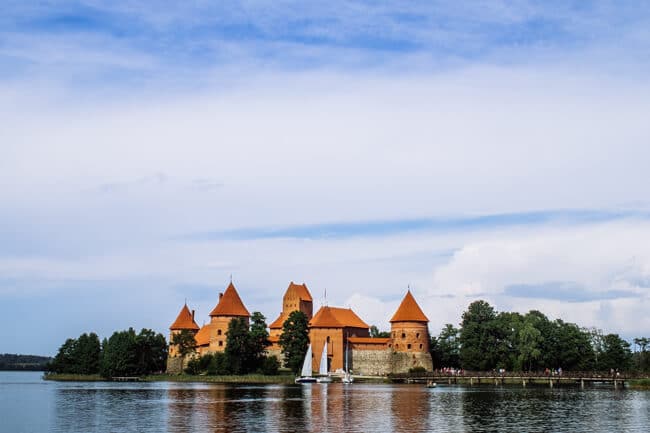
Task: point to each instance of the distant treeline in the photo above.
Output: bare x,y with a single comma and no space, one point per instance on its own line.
9,361
125,353
489,340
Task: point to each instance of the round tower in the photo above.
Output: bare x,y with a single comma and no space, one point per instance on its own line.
184,322
409,327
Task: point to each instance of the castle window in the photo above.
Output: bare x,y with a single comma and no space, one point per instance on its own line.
403,335
408,346
417,335
389,345
420,346
220,343
328,339
219,332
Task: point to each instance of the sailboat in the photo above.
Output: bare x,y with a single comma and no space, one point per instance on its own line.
305,374
322,369
347,377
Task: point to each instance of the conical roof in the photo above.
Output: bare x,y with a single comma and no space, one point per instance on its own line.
409,311
184,321
230,304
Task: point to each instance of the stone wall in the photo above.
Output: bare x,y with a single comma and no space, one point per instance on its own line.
173,365
383,362
402,362
371,362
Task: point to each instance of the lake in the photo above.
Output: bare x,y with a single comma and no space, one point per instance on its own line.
29,404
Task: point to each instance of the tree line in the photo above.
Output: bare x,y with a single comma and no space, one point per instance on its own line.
489,340
125,353
11,361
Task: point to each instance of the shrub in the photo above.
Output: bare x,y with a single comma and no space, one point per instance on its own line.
270,365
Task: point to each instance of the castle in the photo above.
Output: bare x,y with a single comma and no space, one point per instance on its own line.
342,329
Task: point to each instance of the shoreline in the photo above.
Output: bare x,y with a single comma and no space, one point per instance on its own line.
250,379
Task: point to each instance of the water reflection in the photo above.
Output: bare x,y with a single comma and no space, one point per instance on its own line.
186,407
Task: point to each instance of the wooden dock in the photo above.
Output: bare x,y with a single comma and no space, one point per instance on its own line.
580,379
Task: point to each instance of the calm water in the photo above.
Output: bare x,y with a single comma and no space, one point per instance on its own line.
28,404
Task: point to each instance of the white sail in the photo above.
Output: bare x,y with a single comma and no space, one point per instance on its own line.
322,369
306,366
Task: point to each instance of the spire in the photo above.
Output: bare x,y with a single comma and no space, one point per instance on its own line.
230,304
185,320
409,311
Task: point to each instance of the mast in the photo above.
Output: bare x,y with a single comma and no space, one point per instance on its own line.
346,352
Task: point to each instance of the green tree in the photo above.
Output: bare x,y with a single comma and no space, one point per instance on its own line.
294,340
376,333
572,347
64,360
270,365
151,351
185,344
238,346
477,340
448,346
259,341
78,356
119,355
616,353
505,331
530,339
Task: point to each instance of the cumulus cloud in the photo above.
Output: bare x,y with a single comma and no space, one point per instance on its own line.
364,150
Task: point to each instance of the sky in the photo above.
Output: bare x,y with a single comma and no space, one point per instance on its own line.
482,150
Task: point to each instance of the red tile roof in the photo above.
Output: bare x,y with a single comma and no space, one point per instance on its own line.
230,304
184,321
409,311
301,290
277,323
369,340
332,317
202,337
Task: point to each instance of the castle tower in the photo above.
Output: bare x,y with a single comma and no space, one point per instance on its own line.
184,321
296,298
409,327
230,306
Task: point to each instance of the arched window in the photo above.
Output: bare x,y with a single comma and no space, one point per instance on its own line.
417,335
219,332
328,339
420,346
220,343
403,335
408,346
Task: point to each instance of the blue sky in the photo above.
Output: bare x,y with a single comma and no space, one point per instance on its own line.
492,150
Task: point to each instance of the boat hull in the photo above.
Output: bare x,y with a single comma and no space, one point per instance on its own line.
305,380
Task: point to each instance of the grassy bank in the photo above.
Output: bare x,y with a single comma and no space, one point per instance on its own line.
63,377
244,379
639,384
